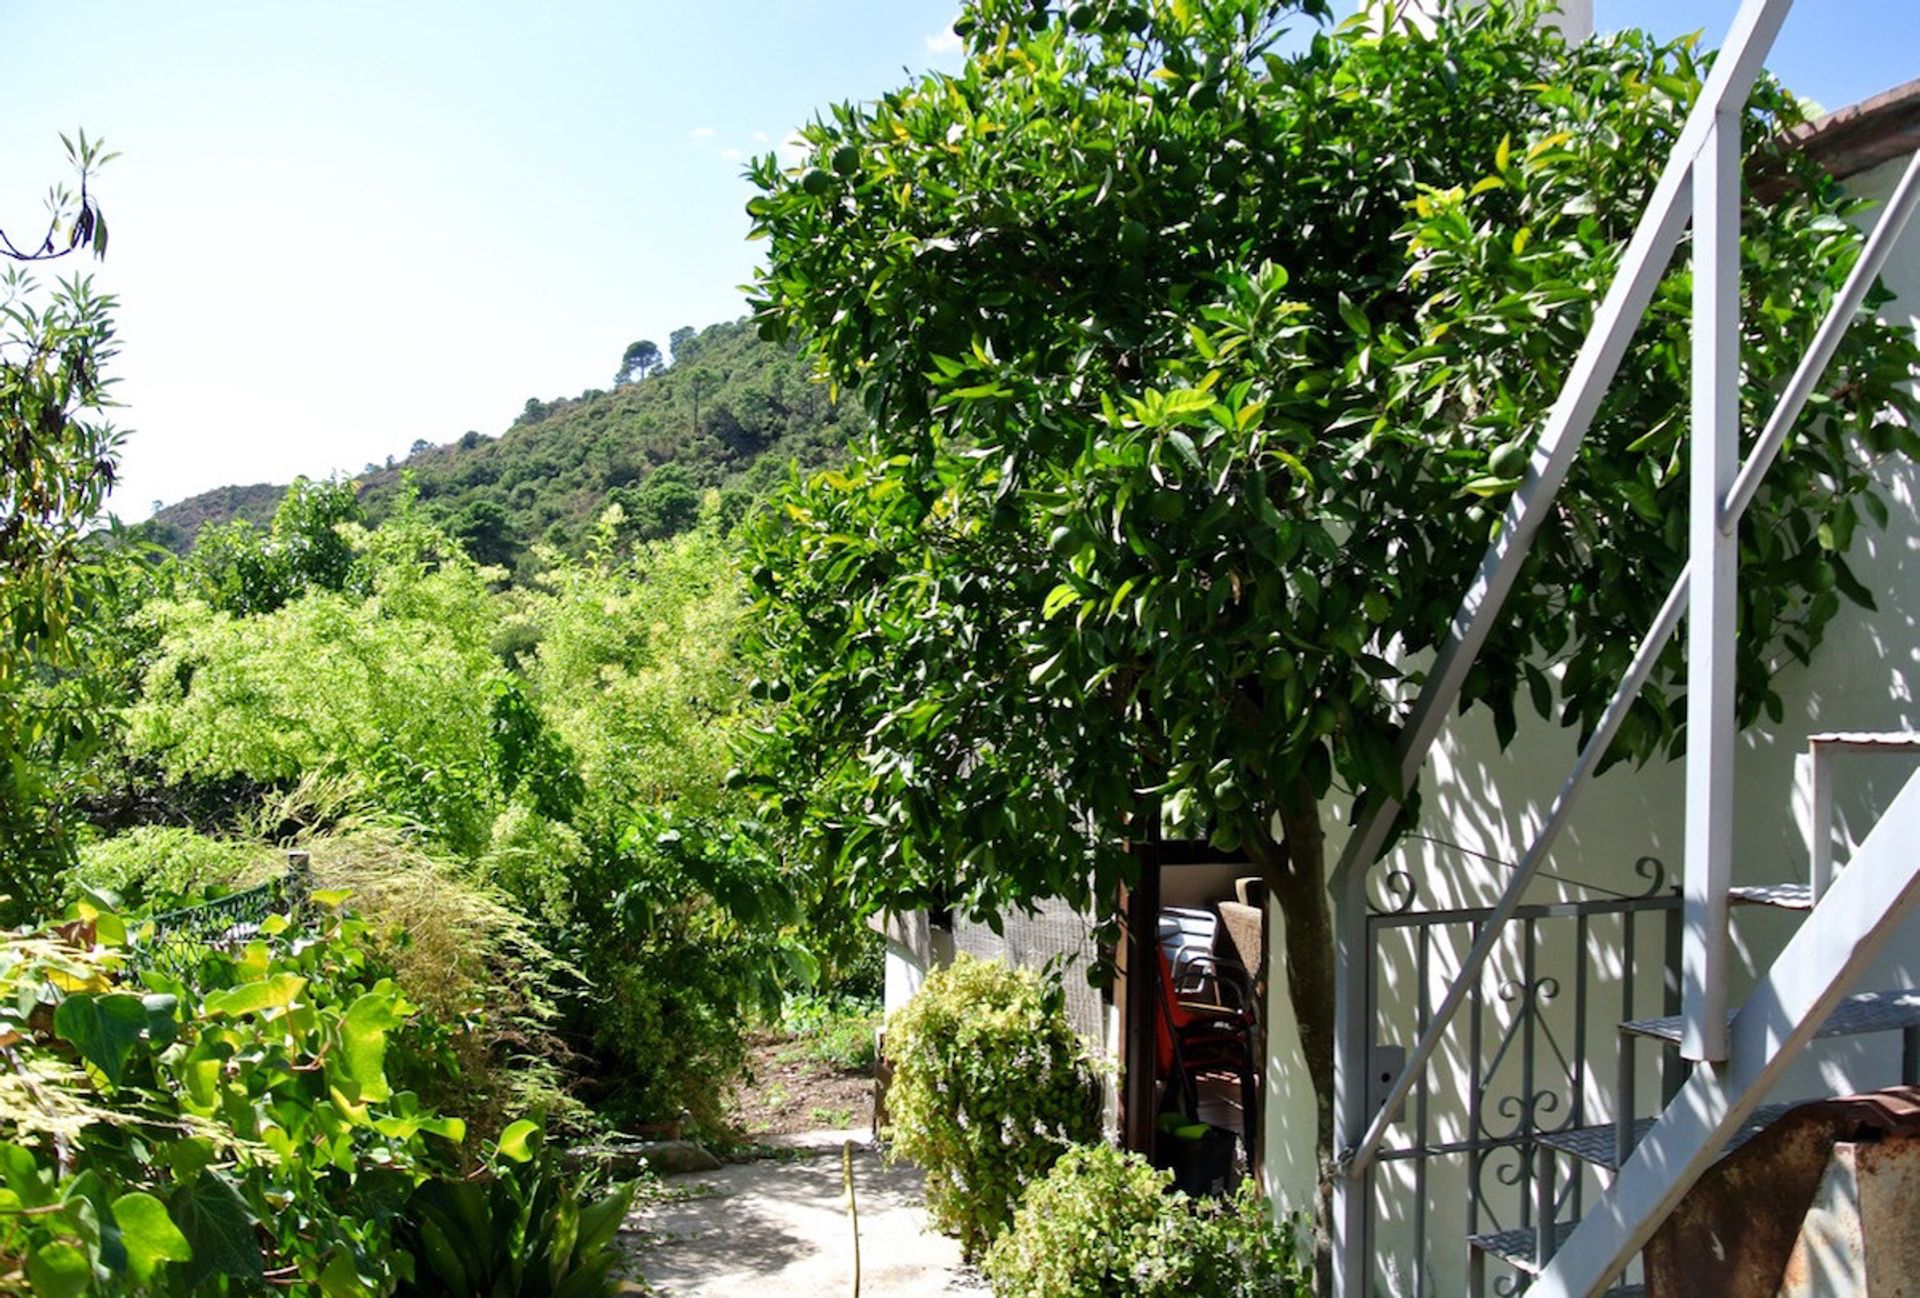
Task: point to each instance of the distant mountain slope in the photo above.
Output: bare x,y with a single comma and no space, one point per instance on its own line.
176,525
550,474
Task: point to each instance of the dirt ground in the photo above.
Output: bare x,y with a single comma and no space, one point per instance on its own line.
785,1091
776,1224
779,1228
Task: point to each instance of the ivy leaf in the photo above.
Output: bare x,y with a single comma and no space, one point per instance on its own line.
149,1234
59,1270
276,992
218,1228
104,1029
363,1042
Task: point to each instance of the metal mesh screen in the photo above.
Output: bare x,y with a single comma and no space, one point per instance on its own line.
1055,934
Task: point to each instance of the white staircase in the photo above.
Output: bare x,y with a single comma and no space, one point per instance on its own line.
1802,996
1739,1053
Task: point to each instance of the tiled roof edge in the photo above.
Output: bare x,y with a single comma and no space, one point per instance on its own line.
1875,130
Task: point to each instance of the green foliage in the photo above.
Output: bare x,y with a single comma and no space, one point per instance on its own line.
173,1137
664,504
456,947
560,747
641,360
685,937
467,955
550,476
1199,375
484,530
531,1232
57,461
990,1086
161,863
1104,1224
837,1031
637,675
396,687
1188,391
237,569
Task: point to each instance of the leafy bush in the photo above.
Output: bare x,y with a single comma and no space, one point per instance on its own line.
1081,1229
672,978
990,1086
210,1134
456,946
157,863
1105,1224
529,1231
461,951
838,1031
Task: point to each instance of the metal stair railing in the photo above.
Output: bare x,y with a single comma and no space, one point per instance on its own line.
1702,174
1877,892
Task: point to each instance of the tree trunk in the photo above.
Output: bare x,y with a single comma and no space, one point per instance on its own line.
1295,872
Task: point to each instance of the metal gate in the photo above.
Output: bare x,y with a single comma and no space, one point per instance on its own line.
1519,1063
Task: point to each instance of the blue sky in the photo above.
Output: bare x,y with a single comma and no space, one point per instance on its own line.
338,228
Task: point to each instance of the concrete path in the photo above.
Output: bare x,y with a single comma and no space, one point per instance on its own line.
778,1228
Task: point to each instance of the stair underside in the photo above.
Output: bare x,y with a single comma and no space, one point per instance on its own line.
1889,1011
1600,1145
1516,1249
1780,896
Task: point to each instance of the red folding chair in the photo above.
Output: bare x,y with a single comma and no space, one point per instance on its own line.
1194,1037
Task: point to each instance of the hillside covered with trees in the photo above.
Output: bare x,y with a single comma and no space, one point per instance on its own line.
726,416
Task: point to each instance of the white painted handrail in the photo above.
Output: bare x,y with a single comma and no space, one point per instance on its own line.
1820,964
1710,136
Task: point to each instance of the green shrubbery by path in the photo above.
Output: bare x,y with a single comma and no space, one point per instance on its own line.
255,1117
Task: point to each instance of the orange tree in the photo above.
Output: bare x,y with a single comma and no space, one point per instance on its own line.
1199,373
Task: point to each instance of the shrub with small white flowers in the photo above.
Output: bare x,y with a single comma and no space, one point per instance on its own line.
990,1086
1105,1224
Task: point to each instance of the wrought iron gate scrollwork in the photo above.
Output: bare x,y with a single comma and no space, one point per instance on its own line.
1523,1068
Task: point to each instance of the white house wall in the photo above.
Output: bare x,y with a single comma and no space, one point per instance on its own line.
1485,801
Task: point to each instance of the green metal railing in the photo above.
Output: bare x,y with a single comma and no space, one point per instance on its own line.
178,939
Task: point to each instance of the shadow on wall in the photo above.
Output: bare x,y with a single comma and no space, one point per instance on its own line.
1544,1037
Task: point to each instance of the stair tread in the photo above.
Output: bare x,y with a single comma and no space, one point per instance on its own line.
1885,1011
1516,1247
1597,1144
1782,896
1868,738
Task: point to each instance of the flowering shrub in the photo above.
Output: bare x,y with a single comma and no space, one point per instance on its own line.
990,1086
1105,1224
